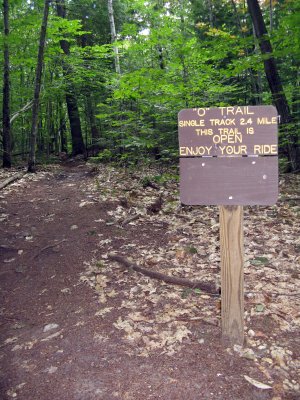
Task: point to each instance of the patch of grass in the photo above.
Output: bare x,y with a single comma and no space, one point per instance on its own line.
100,264
191,250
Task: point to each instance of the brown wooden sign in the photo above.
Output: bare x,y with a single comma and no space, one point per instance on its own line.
228,155
229,181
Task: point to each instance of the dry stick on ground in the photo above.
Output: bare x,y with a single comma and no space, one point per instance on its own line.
289,199
205,287
130,219
50,246
11,179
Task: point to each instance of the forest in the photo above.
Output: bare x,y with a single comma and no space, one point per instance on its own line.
119,277
106,79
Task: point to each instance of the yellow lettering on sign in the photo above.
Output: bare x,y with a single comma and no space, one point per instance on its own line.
195,151
201,112
244,121
192,122
237,138
266,121
220,122
228,131
265,149
232,138
234,111
233,150
204,132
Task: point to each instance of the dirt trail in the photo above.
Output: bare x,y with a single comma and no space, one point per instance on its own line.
52,344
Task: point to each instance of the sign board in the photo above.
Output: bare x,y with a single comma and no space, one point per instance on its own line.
228,155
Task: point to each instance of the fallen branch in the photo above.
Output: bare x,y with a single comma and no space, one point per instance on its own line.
11,179
151,184
50,246
205,287
7,248
130,219
285,294
289,199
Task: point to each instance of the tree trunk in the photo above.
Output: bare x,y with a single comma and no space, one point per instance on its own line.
63,143
6,92
75,124
210,13
271,16
255,79
269,62
274,80
91,119
113,35
37,88
71,100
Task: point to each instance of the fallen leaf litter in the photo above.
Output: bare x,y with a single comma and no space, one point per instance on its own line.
157,317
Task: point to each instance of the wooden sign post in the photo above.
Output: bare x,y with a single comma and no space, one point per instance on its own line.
229,157
232,273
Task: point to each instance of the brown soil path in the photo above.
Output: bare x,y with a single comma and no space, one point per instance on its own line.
45,240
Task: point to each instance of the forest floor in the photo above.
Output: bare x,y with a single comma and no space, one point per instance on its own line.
75,325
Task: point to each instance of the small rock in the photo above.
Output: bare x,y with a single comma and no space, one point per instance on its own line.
268,360
73,227
237,348
20,269
50,327
249,354
17,347
52,370
251,333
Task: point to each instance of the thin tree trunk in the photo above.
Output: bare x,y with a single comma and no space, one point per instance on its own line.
91,119
113,34
161,57
71,100
210,12
185,74
37,89
6,92
274,80
271,16
50,128
63,138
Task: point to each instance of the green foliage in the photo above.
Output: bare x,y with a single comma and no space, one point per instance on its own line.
173,55
260,261
166,177
191,250
103,157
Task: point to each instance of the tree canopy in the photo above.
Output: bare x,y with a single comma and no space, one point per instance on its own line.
115,95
